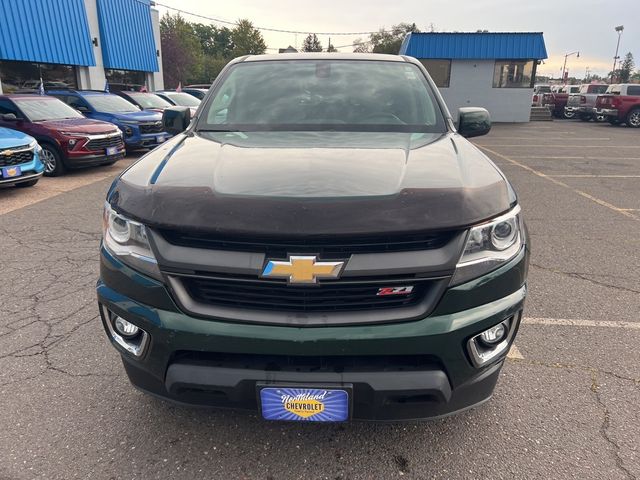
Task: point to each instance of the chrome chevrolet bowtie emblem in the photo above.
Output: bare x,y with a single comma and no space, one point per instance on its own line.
302,269
6,152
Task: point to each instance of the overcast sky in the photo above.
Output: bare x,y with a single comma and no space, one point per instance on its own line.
568,25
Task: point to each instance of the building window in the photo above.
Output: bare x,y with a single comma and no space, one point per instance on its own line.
125,79
440,71
25,76
514,74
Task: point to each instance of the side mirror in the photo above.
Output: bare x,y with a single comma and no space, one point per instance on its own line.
9,117
176,119
473,122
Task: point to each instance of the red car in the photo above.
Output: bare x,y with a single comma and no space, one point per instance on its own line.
68,139
620,104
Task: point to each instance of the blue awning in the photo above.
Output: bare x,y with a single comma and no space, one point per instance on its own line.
127,35
45,31
475,46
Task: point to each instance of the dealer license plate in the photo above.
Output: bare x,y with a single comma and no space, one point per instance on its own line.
304,404
112,150
9,172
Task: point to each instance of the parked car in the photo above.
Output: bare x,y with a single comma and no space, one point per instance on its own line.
582,103
20,163
199,93
557,100
204,86
142,129
320,244
68,139
538,91
180,99
146,101
620,104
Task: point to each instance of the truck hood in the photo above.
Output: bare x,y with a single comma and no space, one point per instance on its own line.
309,183
79,125
13,138
141,116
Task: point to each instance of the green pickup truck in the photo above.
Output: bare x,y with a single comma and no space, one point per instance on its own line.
319,243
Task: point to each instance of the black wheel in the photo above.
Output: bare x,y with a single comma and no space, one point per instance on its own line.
585,117
600,118
633,118
613,121
30,183
568,115
52,161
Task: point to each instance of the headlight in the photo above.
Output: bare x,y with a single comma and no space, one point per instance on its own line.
36,147
128,241
489,246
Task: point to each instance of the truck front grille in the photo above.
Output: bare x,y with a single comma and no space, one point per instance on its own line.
98,144
332,247
17,156
151,127
338,296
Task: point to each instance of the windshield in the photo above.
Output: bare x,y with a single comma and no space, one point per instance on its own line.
183,99
110,104
319,95
544,89
148,100
38,108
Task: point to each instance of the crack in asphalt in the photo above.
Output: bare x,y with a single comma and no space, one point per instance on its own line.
604,428
585,277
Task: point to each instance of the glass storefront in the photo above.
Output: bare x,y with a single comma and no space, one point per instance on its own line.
125,79
24,77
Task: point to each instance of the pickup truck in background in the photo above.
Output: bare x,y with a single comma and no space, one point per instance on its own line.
620,104
582,103
538,92
557,100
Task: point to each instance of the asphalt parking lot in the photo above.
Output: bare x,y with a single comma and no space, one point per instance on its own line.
567,405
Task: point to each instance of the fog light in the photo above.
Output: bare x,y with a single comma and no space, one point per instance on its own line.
72,142
492,344
124,328
125,334
494,334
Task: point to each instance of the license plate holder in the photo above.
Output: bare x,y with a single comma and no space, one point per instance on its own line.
305,403
11,172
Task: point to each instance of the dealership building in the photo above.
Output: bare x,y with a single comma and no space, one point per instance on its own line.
483,69
79,44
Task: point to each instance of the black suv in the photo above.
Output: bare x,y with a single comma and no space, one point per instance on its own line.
319,243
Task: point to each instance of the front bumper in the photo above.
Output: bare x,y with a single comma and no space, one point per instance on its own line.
84,160
30,171
607,112
147,140
399,371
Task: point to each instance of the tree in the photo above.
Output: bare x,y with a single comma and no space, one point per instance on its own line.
311,44
626,68
635,77
361,46
389,41
215,41
246,40
331,48
181,51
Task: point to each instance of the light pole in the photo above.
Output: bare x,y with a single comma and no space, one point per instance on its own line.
619,29
564,67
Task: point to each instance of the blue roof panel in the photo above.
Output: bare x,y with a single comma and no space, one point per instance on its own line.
45,31
127,35
475,46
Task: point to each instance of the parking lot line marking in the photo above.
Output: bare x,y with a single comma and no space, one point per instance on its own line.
621,211
568,322
514,353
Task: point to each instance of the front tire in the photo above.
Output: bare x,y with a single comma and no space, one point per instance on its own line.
633,118
30,183
568,115
52,161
